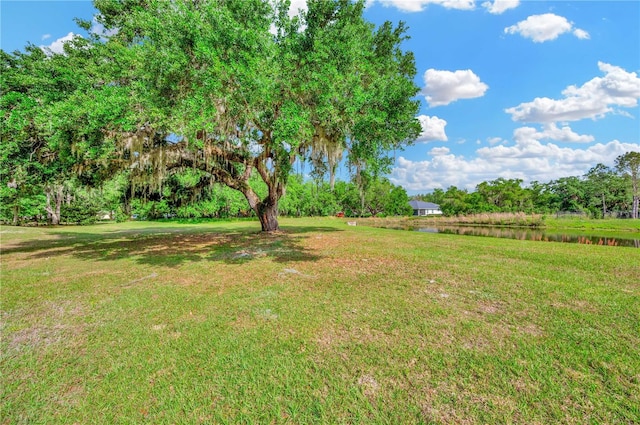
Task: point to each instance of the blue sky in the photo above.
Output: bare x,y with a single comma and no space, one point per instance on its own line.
534,90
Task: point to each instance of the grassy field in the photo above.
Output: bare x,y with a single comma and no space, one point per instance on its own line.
320,323
627,225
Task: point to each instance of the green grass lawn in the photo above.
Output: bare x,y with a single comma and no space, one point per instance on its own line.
320,323
626,225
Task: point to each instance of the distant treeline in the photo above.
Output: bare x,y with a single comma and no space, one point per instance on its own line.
601,192
187,195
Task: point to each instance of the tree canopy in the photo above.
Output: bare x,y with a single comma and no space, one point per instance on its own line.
229,88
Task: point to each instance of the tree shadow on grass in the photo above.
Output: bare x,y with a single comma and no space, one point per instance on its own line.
172,246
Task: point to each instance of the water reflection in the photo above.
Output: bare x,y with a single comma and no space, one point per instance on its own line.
526,234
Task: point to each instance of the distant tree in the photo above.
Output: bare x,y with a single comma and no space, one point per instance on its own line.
476,203
437,196
506,194
32,161
455,201
568,194
398,202
629,165
382,196
294,202
347,196
604,188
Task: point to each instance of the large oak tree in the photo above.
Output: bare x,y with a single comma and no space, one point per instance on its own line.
233,88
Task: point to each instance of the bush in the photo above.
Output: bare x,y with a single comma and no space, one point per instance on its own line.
78,213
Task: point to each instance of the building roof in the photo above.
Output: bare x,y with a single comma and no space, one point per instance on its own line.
420,205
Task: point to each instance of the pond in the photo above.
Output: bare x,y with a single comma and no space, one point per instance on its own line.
611,239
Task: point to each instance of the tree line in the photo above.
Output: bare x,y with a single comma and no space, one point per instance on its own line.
184,196
602,192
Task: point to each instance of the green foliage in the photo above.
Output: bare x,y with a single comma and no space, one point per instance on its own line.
50,133
238,101
505,194
629,166
601,192
17,207
315,198
150,210
604,190
348,197
382,197
79,213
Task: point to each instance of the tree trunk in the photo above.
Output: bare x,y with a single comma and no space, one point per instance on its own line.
268,215
604,207
127,209
48,207
332,176
266,210
636,201
53,212
16,215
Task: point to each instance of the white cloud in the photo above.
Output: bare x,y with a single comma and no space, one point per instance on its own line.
296,7
419,5
442,150
432,129
499,6
551,132
495,140
581,34
444,87
541,28
527,160
593,99
58,45
45,37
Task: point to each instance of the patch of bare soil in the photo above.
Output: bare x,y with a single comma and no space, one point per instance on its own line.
54,323
369,386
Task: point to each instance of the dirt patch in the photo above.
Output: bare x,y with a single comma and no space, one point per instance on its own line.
478,343
489,307
39,337
369,386
357,266
293,272
436,410
575,305
247,254
496,338
54,323
333,338
530,329
71,395
36,337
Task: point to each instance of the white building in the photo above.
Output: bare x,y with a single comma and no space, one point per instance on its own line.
425,208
